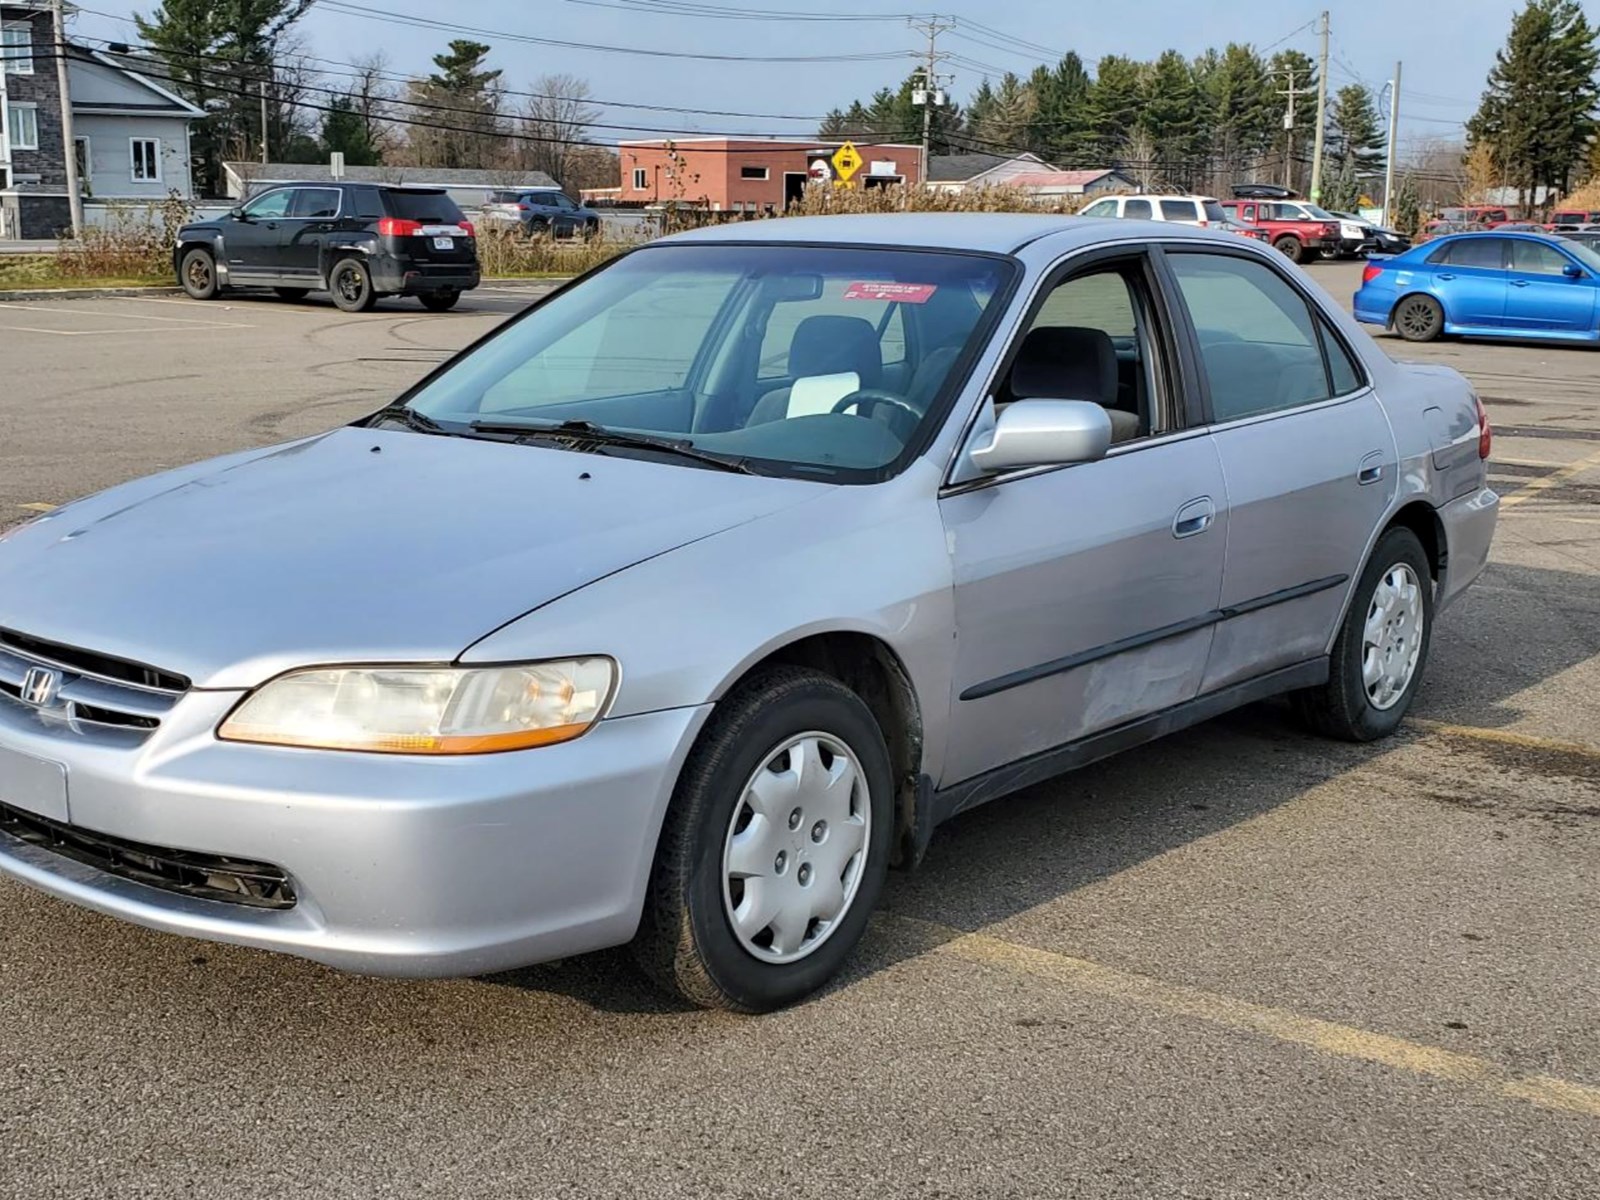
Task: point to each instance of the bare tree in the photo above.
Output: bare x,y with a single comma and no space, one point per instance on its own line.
556,121
374,92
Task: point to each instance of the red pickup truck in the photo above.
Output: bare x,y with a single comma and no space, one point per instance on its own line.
1290,233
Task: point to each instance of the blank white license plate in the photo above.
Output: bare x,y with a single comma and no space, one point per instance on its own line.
444,243
33,784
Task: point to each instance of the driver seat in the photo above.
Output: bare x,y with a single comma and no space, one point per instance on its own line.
826,345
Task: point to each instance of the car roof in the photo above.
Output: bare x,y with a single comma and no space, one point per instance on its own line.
993,233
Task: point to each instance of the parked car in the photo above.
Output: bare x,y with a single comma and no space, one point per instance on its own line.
559,650
1243,230
360,242
1183,210
540,210
1263,191
1575,216
1382,241
1442,228
1486,215
1589,237
1293,234
1491,284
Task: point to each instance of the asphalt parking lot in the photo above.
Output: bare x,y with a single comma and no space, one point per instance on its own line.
1239,963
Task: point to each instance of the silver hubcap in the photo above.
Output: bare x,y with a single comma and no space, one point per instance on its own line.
793,858
1391,642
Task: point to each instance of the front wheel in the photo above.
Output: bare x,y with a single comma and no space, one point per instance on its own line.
439,301
774,849
198,275
1291,248
1418,318
351,286
1377,662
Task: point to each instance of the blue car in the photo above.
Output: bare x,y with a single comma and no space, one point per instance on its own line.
1510,285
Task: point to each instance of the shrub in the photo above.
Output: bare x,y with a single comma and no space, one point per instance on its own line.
135,242
504,252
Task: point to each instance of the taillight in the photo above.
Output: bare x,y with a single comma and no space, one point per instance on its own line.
467,225
1330,231
398,227
1485,431
1371,273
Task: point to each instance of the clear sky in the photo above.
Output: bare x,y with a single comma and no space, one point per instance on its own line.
1446,57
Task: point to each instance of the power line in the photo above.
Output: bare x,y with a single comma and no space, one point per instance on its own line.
720,12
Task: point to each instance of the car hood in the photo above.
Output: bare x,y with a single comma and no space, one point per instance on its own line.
355,546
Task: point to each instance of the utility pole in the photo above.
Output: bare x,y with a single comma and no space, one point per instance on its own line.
1389,213
1322,115
931,96
263,120
1288,127
69,144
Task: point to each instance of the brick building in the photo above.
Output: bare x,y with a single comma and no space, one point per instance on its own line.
745,175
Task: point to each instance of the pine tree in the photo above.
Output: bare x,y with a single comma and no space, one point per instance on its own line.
1538,111
1061,125
1355,139
461,102
1173,119
1243,114
1115,103
345,131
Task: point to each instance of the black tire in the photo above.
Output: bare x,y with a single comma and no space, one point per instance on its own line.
1290,247
351,286
1342,708
686,940
197,274
292,294
1418,318
442,301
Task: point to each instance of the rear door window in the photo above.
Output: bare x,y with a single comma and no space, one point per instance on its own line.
1137,210
431,208
315,202
1178,210
364,203
1485,254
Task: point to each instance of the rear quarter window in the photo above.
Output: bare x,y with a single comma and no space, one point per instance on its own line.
429,207
1177,210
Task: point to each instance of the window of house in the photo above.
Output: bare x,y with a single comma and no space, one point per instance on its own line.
1259,343
752,172
146,155
641,179
16,47
80,147
23,126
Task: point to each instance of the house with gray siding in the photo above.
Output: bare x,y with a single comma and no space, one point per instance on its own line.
131,134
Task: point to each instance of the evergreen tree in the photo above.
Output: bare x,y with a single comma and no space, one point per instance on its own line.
1060,128
344,130
1115,102
1538,111
1239,93
1173,118
1008,124
463,99
216,51
1295,65
1355,139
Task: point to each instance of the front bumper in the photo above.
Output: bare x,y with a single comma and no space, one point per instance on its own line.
1469,523
399,865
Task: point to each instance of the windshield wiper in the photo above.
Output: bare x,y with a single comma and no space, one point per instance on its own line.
411,418
581,435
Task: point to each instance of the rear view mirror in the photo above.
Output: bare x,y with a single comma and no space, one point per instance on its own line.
782,288
1044,433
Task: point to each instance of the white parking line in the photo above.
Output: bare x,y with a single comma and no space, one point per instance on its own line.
118,332
87,312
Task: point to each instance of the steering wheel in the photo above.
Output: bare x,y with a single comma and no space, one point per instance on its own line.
866,400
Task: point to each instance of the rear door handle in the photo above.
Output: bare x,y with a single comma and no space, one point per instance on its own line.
1194,517
1519,283
1371,469
1444,277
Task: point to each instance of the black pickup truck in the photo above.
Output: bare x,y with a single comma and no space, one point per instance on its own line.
359,241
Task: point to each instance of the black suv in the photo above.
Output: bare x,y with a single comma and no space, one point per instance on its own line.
360,241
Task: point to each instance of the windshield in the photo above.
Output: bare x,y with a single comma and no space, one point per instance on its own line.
1585,253
1320,214
806,360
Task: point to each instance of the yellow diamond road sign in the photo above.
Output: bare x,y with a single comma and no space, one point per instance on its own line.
846,161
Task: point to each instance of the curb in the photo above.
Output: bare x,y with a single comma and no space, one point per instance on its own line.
86,293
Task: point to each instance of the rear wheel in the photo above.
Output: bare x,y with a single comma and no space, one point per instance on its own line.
1377,663
439,301
351,285
1418,318
1291,248
774,849
291,294
197,272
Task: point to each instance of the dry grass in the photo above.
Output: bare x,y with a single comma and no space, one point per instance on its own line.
827,201
135,243
1587,197
506,253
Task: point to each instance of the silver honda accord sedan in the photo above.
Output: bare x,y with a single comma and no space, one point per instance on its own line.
683,605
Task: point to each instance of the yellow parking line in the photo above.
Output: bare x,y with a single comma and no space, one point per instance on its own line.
1503,737
1327,1037
1555,479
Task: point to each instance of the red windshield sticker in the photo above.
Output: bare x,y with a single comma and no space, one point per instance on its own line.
895,293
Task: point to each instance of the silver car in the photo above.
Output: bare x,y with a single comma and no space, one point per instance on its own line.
686,603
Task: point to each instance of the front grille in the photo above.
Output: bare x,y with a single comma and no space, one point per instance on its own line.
206,876
89,688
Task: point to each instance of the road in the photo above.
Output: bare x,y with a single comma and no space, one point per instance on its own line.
1240,963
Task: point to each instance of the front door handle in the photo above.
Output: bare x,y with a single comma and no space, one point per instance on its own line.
1446,278
1519,283
1194,517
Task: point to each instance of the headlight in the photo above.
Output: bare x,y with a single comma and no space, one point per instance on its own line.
426,710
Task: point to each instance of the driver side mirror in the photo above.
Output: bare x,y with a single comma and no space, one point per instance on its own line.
1574,271
238,214
1044,433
